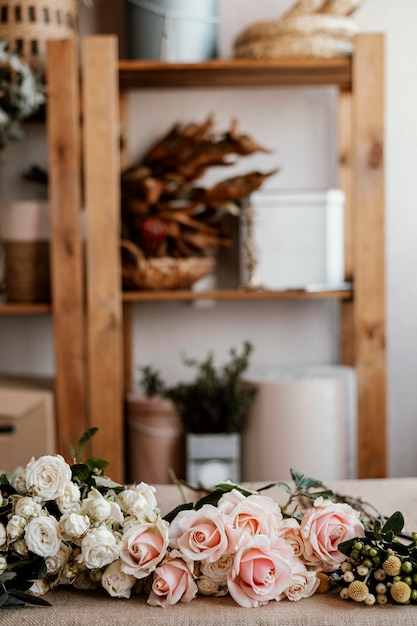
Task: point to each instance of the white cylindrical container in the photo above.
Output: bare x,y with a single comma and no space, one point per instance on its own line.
301,419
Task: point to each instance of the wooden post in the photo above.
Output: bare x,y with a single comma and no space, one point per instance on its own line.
102,189
368,252
344,121
63,127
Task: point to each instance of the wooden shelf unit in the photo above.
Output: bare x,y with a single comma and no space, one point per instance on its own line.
105,359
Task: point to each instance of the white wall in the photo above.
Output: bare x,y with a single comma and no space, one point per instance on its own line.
283,332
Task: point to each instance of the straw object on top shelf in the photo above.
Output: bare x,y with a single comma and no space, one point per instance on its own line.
310,29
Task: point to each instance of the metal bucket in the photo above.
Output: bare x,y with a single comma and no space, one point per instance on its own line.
172,30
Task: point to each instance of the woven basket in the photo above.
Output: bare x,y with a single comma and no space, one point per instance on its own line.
28,24
304,36
160,273
26,271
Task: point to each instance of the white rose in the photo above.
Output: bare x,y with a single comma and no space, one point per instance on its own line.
18,481
39,587
48,476
140,502
99,547
207,586
96,574
84,582
74,525
69,572
55,563
218,570
102,509
27,507
15,527
117,583
3,534
70,500
3,564
43,536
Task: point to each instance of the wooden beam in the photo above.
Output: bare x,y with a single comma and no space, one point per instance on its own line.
63,127
344,123
368,252
102,193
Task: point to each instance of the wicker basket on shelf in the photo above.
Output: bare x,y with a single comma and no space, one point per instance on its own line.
310,29
26,271
28,24
160,273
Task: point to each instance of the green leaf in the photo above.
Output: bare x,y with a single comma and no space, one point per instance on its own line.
28,598
81,472
6,576
377,530
304,482
94,463
3,479
71,451
173,514
84,439
30,569
327,494
8,602
345,547
395,523
283,486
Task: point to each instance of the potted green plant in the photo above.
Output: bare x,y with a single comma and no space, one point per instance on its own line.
212,407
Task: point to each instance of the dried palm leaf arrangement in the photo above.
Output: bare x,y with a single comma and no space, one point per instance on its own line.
167,216
310,29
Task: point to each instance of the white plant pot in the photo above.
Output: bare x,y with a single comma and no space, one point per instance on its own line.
213,458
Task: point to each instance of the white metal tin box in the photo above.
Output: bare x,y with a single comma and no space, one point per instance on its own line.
297,238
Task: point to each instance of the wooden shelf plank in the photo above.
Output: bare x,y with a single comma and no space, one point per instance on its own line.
31,308
236,294
235,73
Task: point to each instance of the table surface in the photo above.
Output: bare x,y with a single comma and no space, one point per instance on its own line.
72,608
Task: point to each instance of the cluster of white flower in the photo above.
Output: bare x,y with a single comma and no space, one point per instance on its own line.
99,534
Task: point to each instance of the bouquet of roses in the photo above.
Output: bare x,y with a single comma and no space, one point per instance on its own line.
62,525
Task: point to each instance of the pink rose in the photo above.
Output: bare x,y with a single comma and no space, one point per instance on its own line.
173,582
290,531
143,546
255,514
323,527
261,571
303,584
205,534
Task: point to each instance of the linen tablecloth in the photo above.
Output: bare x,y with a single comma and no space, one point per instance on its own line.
75,608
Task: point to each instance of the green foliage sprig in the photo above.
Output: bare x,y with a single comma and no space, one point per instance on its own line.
216,400
22,93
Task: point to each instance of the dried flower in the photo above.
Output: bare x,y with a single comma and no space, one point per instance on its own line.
324,585
400,592
358,590
392,566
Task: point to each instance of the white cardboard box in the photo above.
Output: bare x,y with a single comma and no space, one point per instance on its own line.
298,238
27,422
